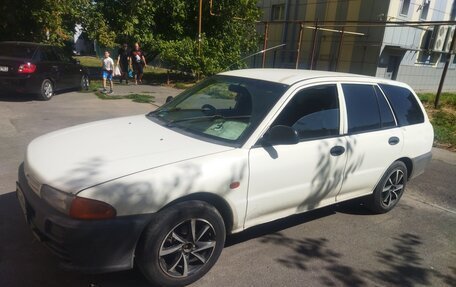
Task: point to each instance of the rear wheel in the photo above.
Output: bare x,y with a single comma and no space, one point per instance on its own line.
390,188
47,90
181,244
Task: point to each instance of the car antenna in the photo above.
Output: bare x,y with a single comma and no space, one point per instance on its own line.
259,52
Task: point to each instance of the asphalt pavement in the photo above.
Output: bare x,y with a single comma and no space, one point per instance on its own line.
342,245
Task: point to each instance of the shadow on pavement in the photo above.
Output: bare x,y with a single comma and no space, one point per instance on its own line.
399,265
15,97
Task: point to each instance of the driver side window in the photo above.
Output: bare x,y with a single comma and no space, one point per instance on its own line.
313,112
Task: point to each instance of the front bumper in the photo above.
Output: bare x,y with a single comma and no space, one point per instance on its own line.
84,245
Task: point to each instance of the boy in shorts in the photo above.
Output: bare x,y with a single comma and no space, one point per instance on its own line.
108,68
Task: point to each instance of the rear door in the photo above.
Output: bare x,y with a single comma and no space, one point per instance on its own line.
51,66
71,71
374,140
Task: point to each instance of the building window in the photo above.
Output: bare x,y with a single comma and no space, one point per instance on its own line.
425,9
278,12
405,7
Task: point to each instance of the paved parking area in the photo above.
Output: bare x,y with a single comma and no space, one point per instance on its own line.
344,245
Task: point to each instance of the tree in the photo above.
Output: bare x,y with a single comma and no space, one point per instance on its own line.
170,28
47,21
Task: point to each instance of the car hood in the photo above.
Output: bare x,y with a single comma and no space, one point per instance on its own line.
82,156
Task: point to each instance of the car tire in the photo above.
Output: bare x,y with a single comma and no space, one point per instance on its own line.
47,90
85,83
390,188
181,244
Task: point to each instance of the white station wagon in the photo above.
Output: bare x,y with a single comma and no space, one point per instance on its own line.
239,149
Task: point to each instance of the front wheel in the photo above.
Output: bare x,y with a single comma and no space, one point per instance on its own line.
47,90
181,244
390,188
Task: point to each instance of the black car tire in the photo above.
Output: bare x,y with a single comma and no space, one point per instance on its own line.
85,83
181,244
390,188
47,90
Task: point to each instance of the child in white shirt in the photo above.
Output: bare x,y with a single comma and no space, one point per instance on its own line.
108,68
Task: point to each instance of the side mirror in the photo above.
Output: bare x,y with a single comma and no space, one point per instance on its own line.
280,135
169,99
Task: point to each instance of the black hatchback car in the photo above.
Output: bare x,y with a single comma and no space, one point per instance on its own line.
31,68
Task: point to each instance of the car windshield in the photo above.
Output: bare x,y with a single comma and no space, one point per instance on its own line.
16,50
222,108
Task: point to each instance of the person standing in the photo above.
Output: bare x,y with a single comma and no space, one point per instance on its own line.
138,61
123,59
107,66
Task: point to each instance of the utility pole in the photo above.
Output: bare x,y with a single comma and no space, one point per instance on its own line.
199,25
445,69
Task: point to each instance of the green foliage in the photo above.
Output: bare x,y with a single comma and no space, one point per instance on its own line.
47,21
444,124
169,28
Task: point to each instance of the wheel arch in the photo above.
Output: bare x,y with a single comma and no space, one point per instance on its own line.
408,164
215,200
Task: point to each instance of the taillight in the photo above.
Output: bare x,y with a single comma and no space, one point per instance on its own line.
27,68
85,208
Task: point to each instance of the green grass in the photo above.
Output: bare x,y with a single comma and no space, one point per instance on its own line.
446,99
89,61
184,86
445,128
94,86
138,98
443,118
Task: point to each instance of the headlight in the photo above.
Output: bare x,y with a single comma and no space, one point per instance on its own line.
75,206
57,199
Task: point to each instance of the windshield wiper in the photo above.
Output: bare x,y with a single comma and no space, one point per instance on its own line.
213,117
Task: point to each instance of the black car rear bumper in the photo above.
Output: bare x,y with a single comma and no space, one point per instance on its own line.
83,245
22,85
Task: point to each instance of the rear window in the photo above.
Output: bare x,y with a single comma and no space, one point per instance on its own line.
362,108
17,50
404,104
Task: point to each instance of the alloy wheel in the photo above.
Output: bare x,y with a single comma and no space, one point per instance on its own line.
393,188
187,248
47,89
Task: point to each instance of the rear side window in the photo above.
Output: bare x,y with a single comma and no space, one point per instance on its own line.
362,108
405,106
47,54
386,114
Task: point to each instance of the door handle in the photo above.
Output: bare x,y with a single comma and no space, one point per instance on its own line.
337,150
393,140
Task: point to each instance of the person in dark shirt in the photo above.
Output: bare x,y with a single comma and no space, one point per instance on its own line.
123,59
138,61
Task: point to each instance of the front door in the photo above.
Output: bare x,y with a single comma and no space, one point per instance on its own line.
288,179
